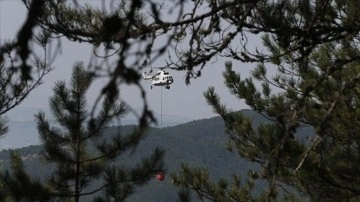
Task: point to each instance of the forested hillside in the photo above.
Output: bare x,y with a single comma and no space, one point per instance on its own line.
198,143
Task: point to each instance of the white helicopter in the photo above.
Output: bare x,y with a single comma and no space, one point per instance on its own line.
161,78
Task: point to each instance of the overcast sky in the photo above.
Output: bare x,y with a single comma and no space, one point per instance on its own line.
181,100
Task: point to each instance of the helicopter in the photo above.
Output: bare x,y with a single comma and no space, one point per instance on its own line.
161,78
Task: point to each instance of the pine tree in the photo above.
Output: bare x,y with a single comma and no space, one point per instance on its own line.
82,151
310,150
18,77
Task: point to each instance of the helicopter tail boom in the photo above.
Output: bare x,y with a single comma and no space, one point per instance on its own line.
147,76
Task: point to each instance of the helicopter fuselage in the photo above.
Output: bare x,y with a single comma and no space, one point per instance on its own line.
161,78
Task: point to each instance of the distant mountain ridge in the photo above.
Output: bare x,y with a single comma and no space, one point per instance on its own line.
23,132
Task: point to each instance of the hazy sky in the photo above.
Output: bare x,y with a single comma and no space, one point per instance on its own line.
180,100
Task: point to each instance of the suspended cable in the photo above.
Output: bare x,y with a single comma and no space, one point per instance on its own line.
161,110
45,52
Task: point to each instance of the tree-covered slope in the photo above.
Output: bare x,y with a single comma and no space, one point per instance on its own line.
199,143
